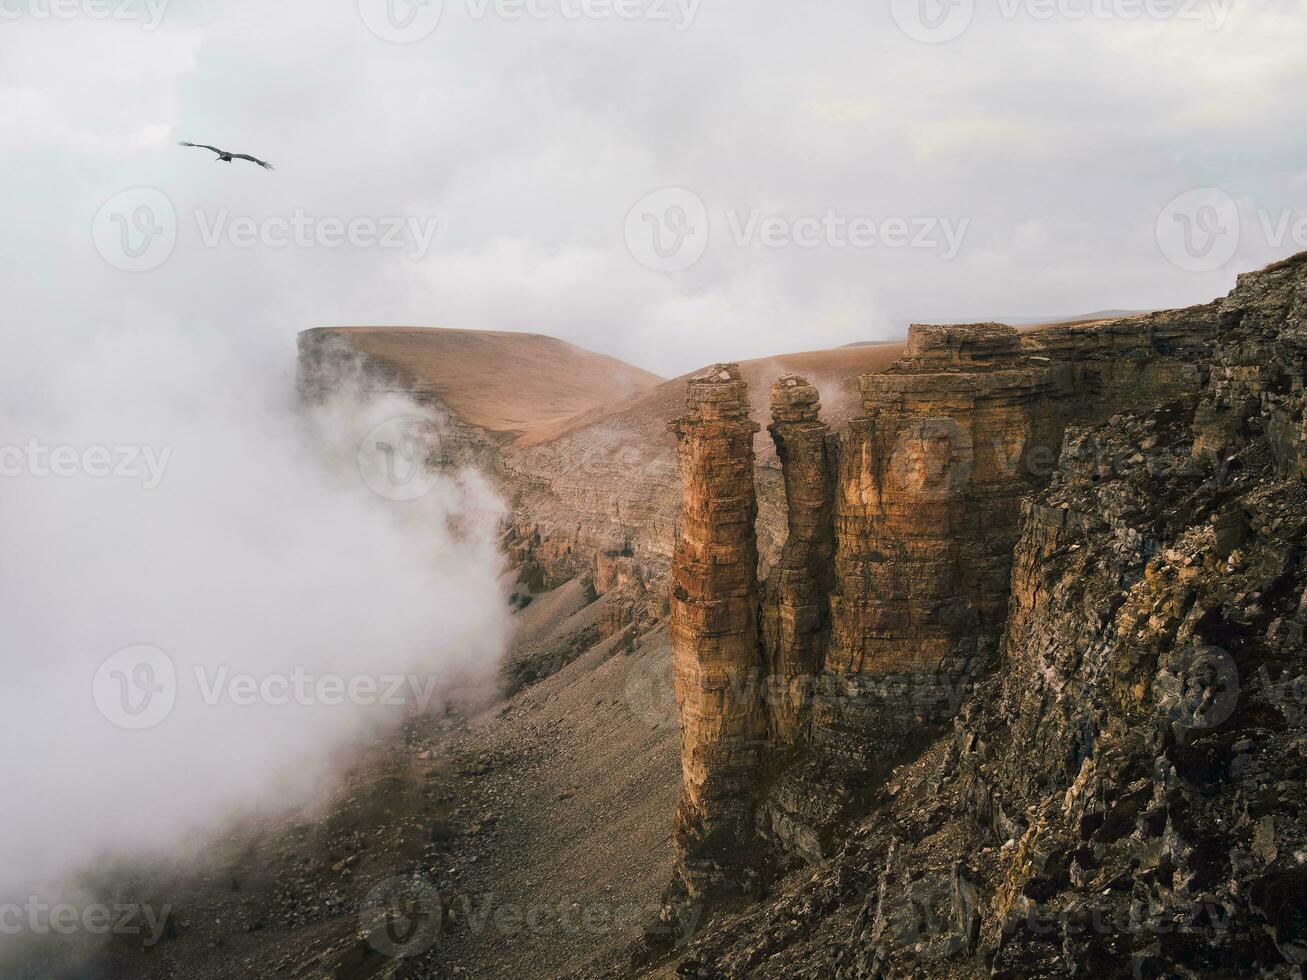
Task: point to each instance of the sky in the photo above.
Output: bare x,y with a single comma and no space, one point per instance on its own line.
668,181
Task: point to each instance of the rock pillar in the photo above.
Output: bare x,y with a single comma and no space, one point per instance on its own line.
795,612
714,625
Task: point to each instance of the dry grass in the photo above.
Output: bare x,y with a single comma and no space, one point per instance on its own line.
505,383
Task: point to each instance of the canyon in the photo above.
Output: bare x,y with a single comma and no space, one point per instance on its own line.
979,654
938,602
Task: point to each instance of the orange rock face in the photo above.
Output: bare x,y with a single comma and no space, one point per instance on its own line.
926,502
890,594
714,617
796,618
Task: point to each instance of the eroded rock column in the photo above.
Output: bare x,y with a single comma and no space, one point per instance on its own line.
926,504
714,625
795,612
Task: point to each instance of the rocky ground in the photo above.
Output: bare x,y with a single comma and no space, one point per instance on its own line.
525,840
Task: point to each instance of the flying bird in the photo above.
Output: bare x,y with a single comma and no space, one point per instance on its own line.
225,157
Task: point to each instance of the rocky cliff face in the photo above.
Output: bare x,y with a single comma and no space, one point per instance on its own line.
796,614
1123,795
994,667
891,592
714,625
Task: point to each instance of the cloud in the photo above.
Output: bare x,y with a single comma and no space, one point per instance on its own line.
534,137
227,528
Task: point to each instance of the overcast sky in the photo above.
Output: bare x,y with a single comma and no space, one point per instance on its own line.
837,169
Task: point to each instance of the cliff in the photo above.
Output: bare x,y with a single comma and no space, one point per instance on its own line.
987,648
891,592
1119,791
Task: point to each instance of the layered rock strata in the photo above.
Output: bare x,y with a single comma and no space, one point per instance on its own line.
1124,795
890,595
796,618
926,502
714,621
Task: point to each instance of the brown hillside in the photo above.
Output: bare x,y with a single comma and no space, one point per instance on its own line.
505,383
834,372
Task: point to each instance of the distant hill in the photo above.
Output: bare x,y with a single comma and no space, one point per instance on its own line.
508,384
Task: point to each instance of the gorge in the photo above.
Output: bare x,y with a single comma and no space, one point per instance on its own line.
976,655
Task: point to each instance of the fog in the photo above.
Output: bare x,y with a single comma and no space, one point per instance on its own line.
513,153
257,548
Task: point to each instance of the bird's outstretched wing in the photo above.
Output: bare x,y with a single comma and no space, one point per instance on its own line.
245,156
201,146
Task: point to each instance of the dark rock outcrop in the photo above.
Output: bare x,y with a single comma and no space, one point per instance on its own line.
714,628
1123,795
